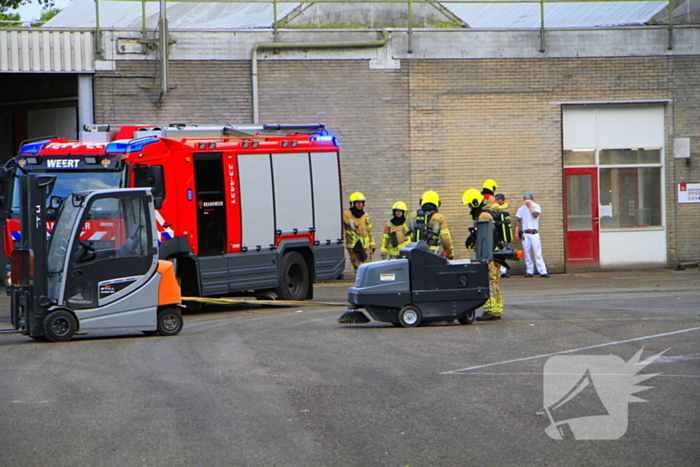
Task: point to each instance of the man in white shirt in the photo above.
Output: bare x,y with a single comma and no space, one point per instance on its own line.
527,229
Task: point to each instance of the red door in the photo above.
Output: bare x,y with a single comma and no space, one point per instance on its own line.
582,221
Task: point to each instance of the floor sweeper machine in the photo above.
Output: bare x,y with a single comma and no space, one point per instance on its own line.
98,273
422,286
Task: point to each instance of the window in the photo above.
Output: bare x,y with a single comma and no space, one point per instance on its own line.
630,197
630,156
579,158
578,196
113,228
151,176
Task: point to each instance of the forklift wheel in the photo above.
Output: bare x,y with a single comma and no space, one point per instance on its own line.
409,316
169,322
59,326
468,318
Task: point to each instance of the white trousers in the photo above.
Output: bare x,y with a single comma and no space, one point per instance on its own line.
532,245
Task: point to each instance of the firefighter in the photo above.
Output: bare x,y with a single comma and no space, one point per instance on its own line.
397,233
358,231
489,189
431,226
500,205
482,210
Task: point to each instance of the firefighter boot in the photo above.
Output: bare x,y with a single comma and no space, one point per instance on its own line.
488,317
492,311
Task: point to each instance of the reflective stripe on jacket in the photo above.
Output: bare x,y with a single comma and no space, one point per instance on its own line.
357,229
438,224
403,236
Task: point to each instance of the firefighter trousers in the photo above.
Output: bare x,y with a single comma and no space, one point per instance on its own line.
355,258
494,305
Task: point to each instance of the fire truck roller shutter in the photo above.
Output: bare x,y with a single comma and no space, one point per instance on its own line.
329,255
327,202
292,179
255,177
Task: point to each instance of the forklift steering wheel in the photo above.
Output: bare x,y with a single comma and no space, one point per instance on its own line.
86,252
87,245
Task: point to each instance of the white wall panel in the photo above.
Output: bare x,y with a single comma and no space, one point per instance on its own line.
51,51
579,127
630,248
631,127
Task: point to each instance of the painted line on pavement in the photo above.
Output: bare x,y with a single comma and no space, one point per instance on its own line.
659,375
563,352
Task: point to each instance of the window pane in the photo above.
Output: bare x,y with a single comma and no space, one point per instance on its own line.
578,201
630,156
135,228
630,197
579,158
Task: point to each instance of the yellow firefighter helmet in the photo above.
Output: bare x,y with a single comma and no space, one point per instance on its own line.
400,205
490,185
357,196
430,197
472,198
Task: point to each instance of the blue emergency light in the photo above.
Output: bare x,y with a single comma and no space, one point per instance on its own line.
129,146
325,138
34,148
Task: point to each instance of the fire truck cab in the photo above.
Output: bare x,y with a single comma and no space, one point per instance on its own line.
240,209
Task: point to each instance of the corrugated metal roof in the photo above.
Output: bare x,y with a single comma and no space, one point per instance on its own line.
557,15
211,15
240,15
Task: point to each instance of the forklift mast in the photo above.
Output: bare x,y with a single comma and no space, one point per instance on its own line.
29,290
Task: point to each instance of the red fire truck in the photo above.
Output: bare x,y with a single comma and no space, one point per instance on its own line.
240,209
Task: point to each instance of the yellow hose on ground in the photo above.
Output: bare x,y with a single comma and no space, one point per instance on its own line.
277,303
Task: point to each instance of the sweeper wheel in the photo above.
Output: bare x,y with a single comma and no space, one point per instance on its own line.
468,318
410,316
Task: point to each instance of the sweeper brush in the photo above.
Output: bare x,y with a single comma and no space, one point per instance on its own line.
353,317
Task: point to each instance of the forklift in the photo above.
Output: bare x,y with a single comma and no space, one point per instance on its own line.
98,273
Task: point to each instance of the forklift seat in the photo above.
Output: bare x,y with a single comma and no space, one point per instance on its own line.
132,245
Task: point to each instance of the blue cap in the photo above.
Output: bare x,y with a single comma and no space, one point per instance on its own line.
528,195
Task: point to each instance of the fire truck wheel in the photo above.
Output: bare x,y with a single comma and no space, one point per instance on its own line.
409,316
294,277
169,322
468,318
59,326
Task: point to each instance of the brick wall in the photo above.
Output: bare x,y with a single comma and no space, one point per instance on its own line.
445,125
201,92
684,121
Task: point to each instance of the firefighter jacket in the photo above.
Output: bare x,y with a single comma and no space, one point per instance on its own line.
394,238
357,229
500,207
489,212
438,224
